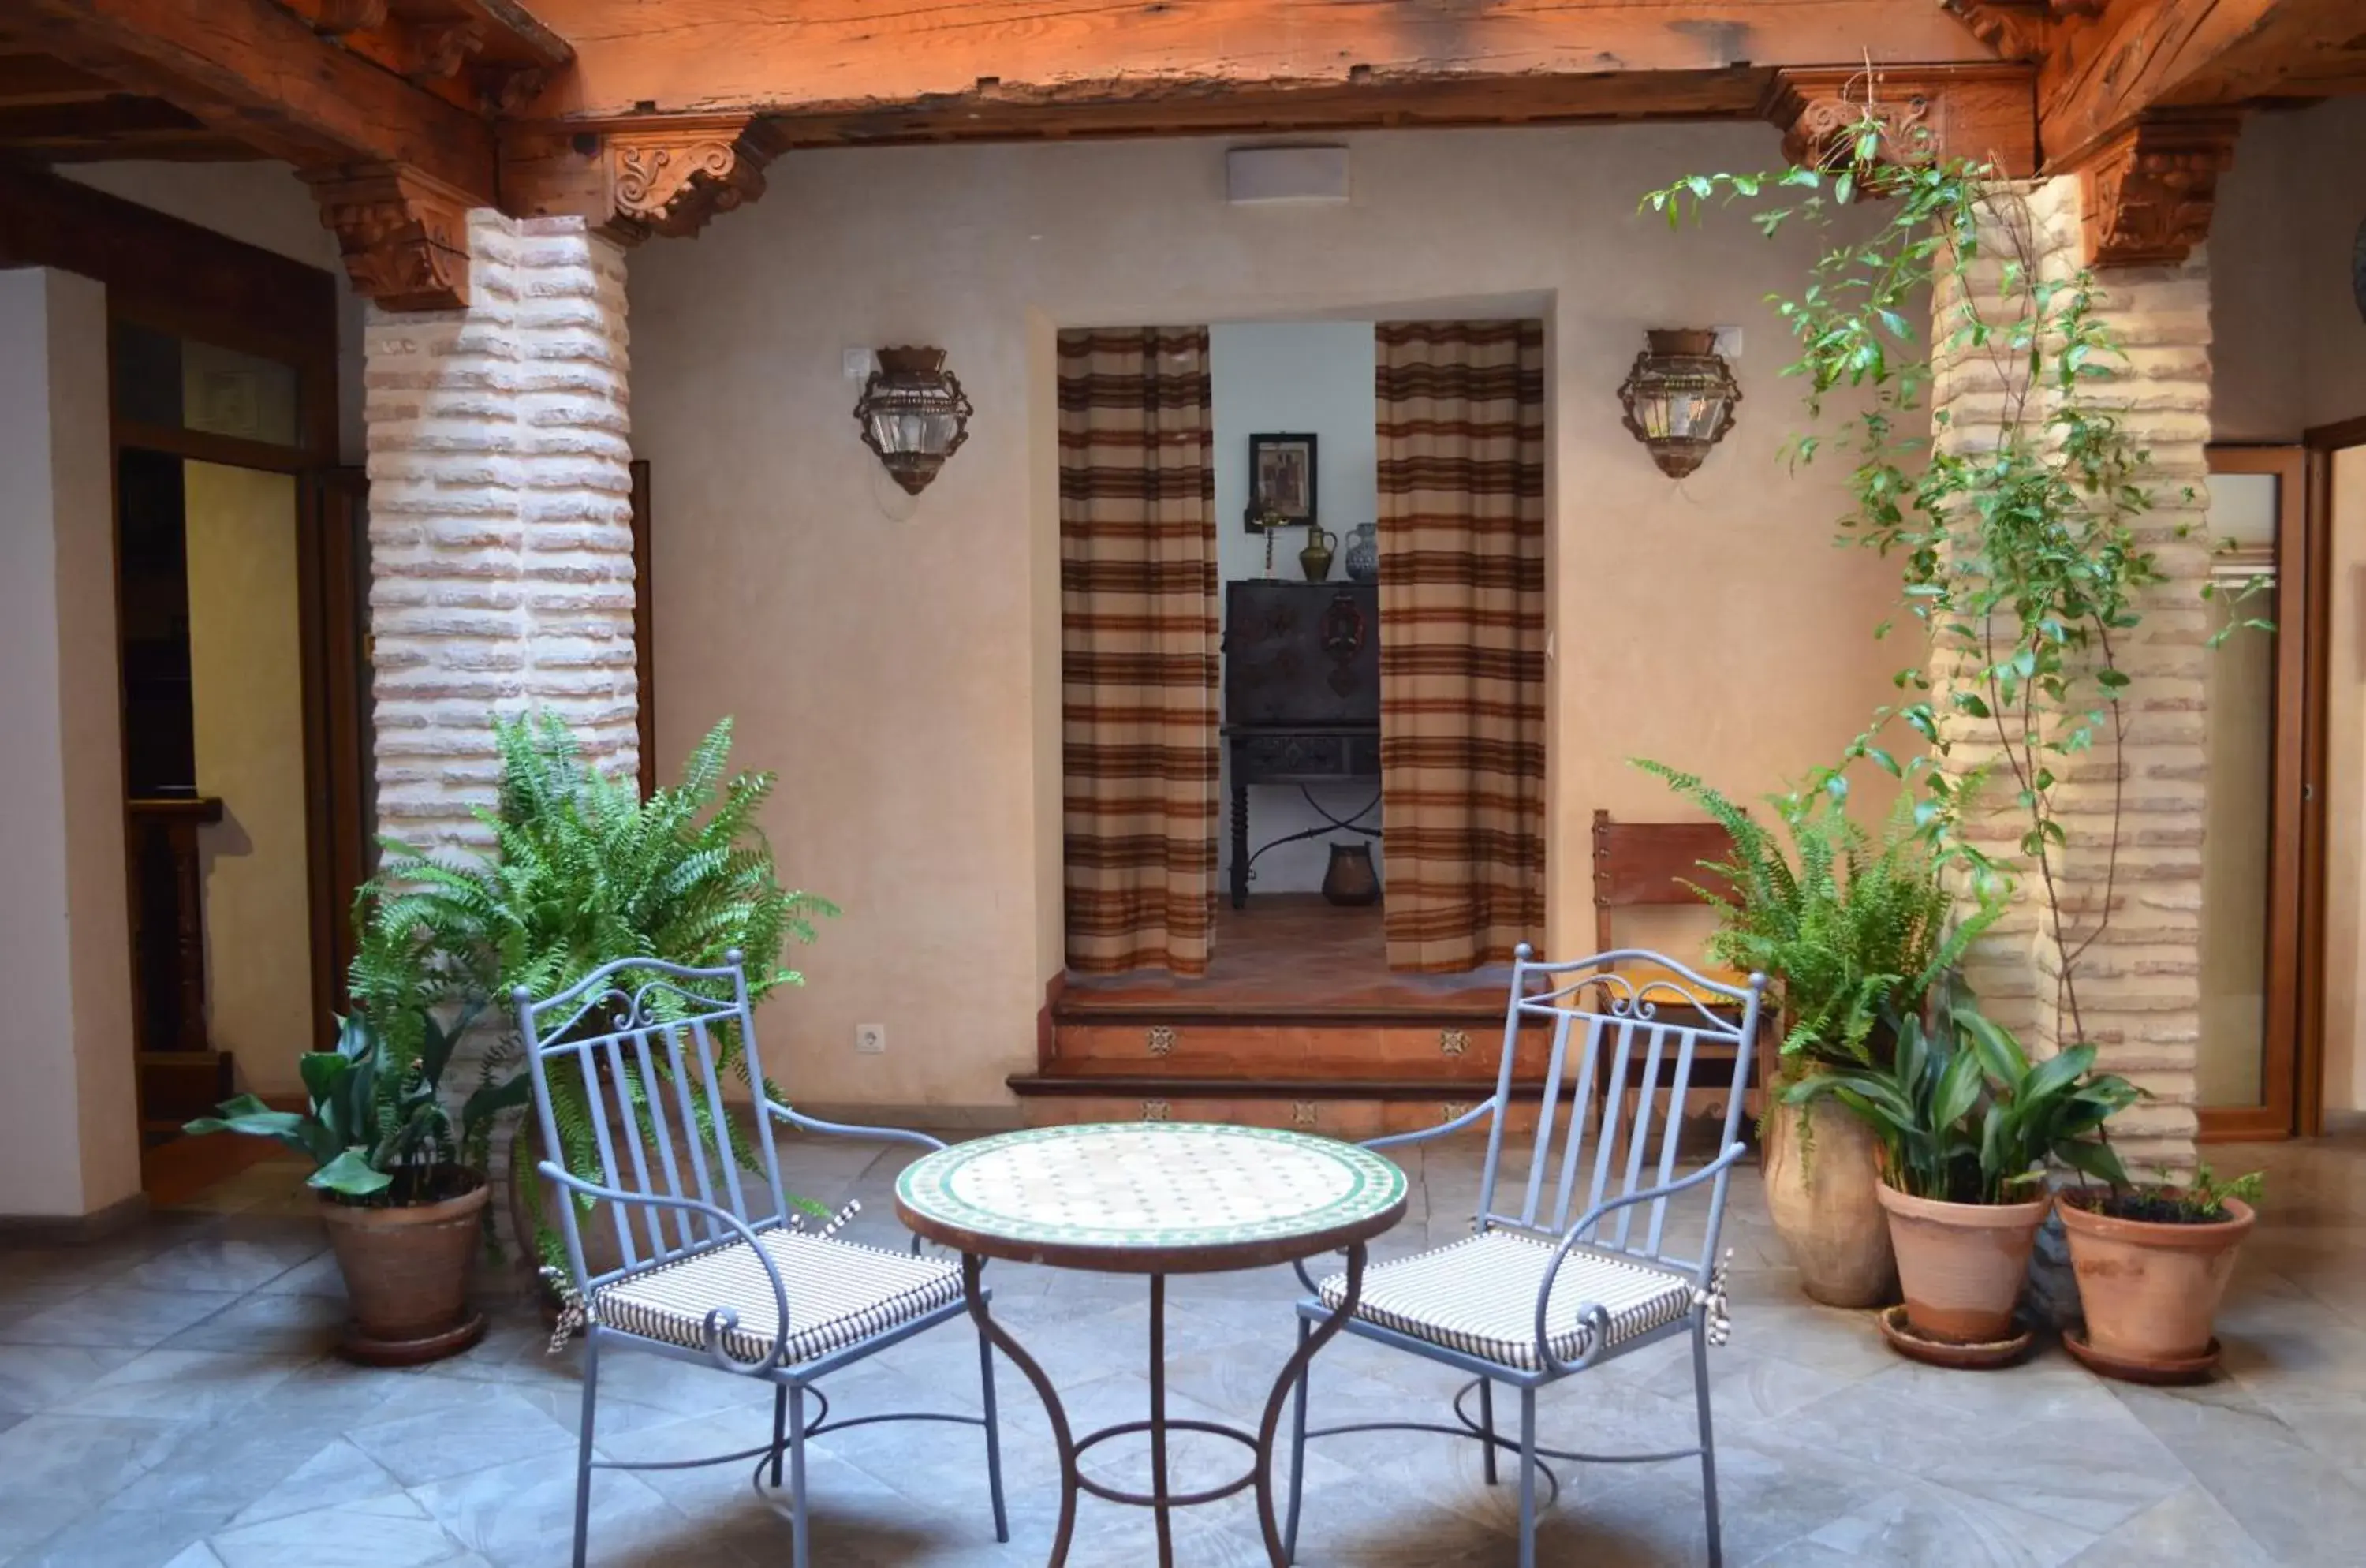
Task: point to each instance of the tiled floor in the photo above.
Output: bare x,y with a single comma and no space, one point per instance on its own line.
1293,949
167,1399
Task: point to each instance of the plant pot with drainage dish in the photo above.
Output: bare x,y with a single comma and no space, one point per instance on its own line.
405,1215
2152,1263
1966,1126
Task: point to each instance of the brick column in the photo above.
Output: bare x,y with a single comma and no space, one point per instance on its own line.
500,521
2139,985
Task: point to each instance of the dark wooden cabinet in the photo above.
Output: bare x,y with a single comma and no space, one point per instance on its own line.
1302,694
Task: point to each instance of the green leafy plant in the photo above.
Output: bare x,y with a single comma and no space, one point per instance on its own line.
378,1131
2017,543
585,870
1852,928
1962,1116
2201,1202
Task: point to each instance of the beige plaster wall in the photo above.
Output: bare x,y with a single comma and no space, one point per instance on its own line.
2345,782
2289,339
245,661
890,658
69,1129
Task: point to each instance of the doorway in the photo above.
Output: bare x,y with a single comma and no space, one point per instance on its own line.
240,581
2332,1056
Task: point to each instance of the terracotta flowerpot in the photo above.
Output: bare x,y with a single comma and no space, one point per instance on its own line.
2150,1290
1961,1264
1822,1193
406,1273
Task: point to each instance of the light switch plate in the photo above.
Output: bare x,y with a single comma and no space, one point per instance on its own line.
857,363
1728,342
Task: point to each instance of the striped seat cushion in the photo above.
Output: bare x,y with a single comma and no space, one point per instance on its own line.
839,1292
1480,1297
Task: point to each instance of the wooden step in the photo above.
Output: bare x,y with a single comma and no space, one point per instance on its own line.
1313,1049
1336,1109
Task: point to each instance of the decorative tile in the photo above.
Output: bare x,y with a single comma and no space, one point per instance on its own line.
1159,1040
1453,1041
1302,1113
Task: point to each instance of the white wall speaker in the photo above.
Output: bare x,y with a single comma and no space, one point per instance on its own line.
1263,174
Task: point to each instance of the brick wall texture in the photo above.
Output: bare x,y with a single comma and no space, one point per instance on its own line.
500,521
2138,985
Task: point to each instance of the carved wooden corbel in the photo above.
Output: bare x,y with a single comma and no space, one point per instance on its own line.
404,234
1983,112
633,180
671,182
2147,191
440,49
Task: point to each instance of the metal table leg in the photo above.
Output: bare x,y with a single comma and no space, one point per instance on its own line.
1161,1509
1291,1370
972,1267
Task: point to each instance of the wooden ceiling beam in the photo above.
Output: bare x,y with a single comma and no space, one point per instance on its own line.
877,58
479,54
1984,113
256,73
2140,99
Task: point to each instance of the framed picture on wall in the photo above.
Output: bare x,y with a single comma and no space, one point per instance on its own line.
1281,479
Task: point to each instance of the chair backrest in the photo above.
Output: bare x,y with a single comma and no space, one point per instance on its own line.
1615,1036
642,1049
1650,863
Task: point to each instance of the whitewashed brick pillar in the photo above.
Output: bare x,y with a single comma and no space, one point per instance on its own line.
500,521
2139,985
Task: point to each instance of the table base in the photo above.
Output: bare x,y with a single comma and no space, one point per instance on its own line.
1160,1498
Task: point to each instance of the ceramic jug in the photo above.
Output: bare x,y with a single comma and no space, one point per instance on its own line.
1364,553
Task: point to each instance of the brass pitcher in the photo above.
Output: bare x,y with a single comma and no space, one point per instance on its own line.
1316,558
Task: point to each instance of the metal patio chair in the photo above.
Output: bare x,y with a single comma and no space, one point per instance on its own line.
706,1277
1531,1298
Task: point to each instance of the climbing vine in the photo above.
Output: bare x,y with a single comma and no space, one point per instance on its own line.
2016,538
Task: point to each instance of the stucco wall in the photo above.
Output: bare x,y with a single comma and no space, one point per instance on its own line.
247,692
895,670
69,1135
2290,338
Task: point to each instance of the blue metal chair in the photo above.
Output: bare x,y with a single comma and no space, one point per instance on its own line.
706,1276
1531,1298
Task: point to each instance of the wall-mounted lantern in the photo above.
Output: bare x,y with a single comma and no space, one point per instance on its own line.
913,414
1679,397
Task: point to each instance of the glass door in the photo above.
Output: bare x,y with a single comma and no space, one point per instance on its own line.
2253,684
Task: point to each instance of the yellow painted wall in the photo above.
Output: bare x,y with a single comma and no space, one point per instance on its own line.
245,664
896,660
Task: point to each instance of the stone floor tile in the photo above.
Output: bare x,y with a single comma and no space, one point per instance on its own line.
123,1315
217,1262
145,1538
2299,1506
287,1323
36,1377
488,1427
520,1516
2188,1526
1925,1522
199,1386
392,1531
58,1468
337,1473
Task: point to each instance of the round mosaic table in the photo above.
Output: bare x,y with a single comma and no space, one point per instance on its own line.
1153,1197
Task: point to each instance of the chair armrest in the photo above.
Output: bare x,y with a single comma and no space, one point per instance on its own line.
721,1321
890,1135
1468,1117
1593,1313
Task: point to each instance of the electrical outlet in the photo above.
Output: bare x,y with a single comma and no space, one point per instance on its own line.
871,1038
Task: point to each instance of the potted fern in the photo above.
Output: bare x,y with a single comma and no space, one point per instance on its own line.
402,1205
584,870
2152,1264
1852,929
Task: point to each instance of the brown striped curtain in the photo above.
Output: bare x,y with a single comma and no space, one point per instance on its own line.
1138,649
1462,646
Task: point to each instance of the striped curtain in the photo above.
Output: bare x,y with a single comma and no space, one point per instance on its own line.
1138,649
1462,649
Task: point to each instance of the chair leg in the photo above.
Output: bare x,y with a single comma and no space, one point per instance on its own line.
800,1550
1527,1478
1487,1420
780,1428
993,1437
1297,1449
583,1447
1707,1438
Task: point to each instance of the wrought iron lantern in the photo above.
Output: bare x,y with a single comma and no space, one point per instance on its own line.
913,414
1679,397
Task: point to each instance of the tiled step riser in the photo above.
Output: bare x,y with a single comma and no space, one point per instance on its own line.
1450,1053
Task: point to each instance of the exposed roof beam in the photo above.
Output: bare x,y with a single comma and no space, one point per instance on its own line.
2139,56
257,73
856,58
